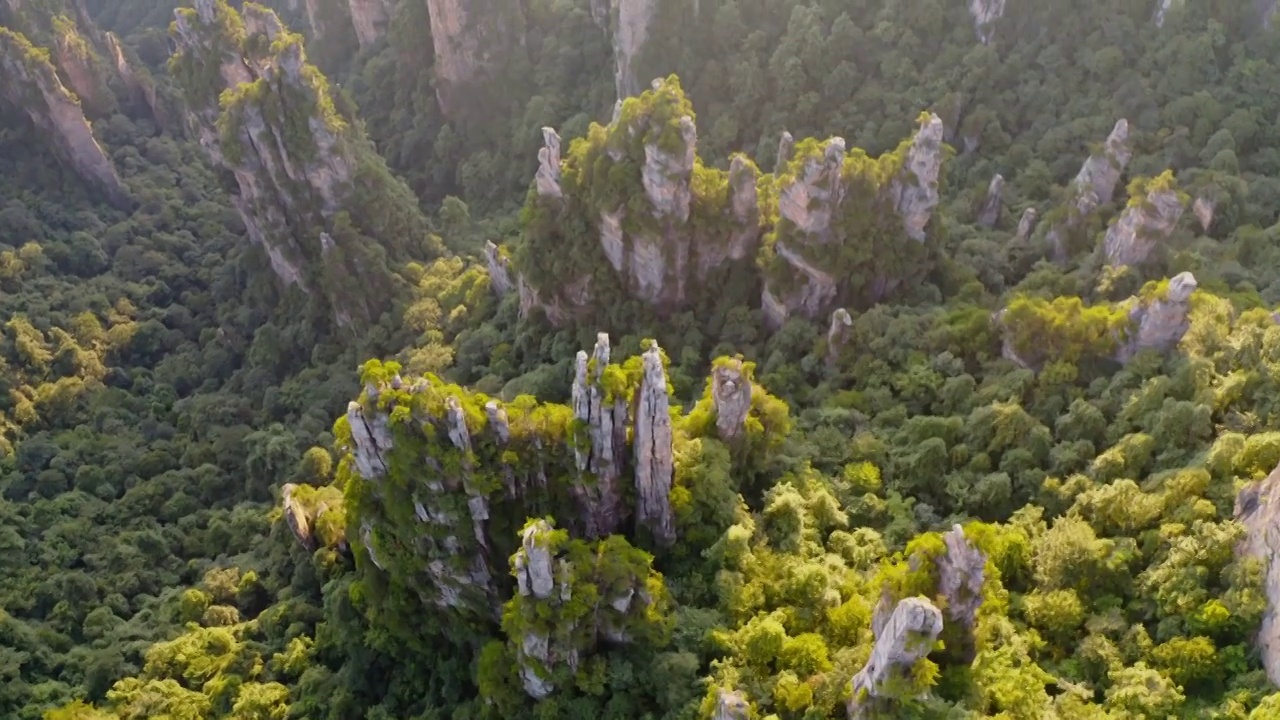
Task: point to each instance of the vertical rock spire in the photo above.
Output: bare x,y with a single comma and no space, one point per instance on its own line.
654,464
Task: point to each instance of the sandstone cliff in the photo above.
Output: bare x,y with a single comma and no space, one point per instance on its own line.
630,31
471,42
309,187
369,18
907,636
1095,185
1142,225
29,81
466,465
547,630
1159,322
837,236
989,213
638,216
1258,509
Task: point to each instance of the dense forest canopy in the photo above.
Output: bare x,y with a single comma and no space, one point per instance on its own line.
423,359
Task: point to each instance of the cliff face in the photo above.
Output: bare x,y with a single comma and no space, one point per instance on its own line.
1258,509
650,211
1094,185
630,30
489,465
844,234
29,81
630,212
369,18
1141,227
1158,323
311,190
470,44
908,636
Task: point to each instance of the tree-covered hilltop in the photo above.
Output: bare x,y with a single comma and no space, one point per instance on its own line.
425,359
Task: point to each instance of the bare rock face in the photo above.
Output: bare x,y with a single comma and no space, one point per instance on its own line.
469,41
1141,227
499,269
985,13
369,18
1101,172
1204,208
629,36
960,577
372,440
30,82
841,321
1094,185
1026,224
731,705
666,175
534,570
548,177
1258,509
916,187
786,146
809,200
498,422
604,456
814,193
908,636
296,517
654,463
731,397
85,77
1160,323
658,244
994,203
267,117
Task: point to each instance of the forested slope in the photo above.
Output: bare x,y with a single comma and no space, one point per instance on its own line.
879,359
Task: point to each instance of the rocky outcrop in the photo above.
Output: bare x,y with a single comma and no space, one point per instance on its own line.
985,13
989,213
603,452
548,177
1141,227
786,147
916,186
1026,224
295,517
654,463
1257,508
961,573
634,189
29,82
837,333
1203,208
818,190
908,635
809,200
267,116
85,76
1102,171
499,267
1093,186
543,623
1158,323
731,705
631,30
731,398
372,441
470,42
